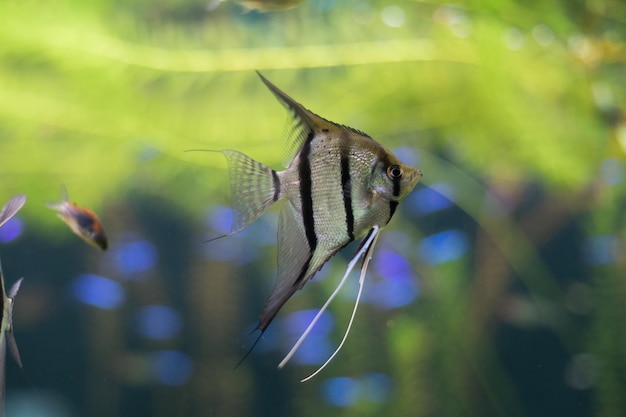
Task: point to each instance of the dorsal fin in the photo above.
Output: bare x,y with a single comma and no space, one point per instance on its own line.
305,121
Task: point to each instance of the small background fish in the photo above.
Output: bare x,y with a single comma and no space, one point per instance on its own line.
83,222
6,324
259,5
269,5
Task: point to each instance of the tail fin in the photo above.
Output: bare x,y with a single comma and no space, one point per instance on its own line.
253,186
65,198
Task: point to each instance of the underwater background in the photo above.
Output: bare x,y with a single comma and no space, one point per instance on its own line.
498,289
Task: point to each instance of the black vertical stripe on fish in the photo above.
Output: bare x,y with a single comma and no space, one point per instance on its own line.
346,190
367,236
306,193
392,208
393,204
303,271
396,186
276,182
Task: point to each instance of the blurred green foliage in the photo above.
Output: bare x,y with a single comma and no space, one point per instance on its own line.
497,97
511,92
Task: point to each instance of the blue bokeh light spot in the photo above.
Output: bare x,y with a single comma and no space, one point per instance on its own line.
271,340
341,391
316,347
231,249
297,322
171,367
98,291
158,322
600,250
408,155
262,232
314,351
427,200
389,263
133,257
242,247
220,218
442,247
612,171
373,387
399,286
392,293
11,229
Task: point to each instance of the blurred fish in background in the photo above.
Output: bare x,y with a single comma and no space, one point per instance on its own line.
259,5
269,5
6,325
83,222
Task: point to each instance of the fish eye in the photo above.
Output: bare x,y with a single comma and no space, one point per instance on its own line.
394,172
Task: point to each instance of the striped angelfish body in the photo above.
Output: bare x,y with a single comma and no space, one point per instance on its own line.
339,185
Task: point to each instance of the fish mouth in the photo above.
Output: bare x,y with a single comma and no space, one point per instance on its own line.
417,175
101,241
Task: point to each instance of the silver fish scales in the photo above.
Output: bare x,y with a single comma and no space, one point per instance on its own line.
340,185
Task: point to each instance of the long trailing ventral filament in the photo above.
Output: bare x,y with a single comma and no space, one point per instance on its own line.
366,251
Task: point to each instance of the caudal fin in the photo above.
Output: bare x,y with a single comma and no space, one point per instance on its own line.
253,186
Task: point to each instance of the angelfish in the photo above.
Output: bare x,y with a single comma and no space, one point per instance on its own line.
83,222
341,185
6,324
